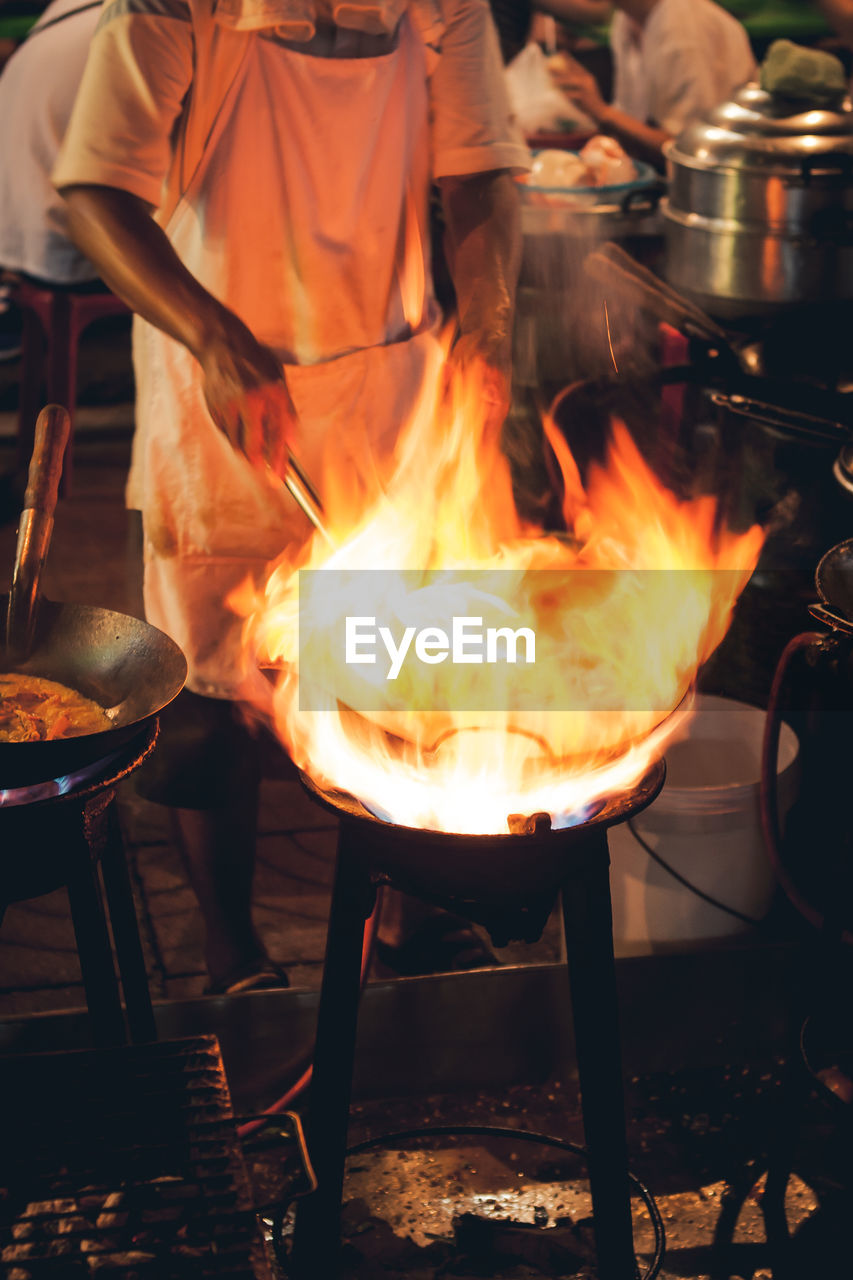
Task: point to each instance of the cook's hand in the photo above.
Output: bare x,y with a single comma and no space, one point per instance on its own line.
247,396
578,84
488,358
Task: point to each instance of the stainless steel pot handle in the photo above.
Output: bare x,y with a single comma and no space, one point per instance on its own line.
643,200
814,165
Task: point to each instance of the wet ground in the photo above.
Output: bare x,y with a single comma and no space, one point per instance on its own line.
744,1171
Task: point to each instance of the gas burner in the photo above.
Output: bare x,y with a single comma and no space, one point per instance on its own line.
520,823
501,876
14,796
607,811
578,791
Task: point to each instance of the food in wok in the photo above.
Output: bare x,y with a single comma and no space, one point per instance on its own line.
33,709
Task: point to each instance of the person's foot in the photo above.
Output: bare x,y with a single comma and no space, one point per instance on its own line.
261,974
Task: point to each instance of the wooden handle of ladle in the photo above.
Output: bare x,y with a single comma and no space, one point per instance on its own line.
35,528
51,438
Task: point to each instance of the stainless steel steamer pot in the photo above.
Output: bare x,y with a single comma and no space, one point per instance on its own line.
759,214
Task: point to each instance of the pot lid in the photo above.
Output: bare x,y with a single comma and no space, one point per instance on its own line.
760,130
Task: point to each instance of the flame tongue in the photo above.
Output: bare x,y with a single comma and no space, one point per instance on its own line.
624,611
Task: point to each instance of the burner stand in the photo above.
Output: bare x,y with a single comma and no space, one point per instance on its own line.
508,882
62,841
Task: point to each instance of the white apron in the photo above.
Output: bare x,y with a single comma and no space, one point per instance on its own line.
308,217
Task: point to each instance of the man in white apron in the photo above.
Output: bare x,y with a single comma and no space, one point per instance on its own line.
286,150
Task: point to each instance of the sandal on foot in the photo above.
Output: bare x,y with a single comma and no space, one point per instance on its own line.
259,975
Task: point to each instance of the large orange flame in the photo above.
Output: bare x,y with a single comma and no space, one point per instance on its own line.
625,645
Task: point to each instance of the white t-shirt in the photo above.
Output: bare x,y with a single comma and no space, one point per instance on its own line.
208,126
180,110
153,52
37,91
688,58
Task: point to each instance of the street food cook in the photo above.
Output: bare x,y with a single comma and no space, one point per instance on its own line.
254,179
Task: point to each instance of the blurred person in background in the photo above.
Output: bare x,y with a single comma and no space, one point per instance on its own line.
673,62
839,15
38,85
518,21
518,24
252,178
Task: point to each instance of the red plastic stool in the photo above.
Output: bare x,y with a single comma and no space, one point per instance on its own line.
53,321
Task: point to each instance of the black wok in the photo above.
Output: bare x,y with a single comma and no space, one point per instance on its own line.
127,666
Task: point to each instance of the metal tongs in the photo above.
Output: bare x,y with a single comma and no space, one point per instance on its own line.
306,497
35,529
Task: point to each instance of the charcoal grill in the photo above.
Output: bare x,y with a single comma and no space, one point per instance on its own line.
124,1162
508,883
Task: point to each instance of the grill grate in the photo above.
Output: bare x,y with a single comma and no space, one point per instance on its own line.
123,1163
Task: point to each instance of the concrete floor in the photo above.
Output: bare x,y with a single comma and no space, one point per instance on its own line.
704,1120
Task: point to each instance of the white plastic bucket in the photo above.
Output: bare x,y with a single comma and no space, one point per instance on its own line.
706,825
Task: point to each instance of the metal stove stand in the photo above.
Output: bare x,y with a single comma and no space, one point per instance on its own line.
63,840
509,884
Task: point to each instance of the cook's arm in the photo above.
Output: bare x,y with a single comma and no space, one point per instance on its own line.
243,380
483,220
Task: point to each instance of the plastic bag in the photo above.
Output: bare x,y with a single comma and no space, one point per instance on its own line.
538,104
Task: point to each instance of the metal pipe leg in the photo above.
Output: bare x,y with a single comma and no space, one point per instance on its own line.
317,1230
93,943
588,922
125,926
